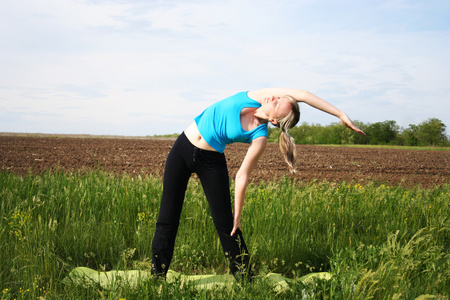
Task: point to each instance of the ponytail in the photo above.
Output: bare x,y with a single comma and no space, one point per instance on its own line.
287,145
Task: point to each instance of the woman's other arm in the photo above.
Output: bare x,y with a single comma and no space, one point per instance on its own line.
242,176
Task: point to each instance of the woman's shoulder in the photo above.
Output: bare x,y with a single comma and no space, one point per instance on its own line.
241,99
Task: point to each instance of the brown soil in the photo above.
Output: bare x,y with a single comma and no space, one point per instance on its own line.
20,154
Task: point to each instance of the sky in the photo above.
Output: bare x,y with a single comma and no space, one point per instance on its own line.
148,67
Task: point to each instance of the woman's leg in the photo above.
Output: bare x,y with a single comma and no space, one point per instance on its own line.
213,173
176,177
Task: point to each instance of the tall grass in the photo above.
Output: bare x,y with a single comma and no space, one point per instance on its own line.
377,241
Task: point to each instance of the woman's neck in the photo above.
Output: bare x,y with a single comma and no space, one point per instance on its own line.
262,118
251,118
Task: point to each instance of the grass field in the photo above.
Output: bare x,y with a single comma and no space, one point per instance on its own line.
381,242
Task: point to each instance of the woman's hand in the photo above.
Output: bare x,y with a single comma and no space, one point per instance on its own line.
236,225
348,123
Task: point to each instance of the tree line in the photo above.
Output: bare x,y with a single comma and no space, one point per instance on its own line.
431,132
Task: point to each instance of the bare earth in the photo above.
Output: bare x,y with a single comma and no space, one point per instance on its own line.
143,156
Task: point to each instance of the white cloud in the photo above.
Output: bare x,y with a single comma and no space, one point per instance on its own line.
148,67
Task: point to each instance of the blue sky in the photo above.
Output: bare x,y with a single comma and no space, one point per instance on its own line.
149,67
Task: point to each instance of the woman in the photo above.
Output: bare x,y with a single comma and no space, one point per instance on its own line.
240,118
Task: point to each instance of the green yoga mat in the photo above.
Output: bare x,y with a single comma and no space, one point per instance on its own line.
108,280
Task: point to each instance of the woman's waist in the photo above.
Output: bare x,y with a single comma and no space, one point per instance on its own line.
194,136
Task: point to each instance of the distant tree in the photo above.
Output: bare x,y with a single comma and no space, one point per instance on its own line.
326,135
409,136
359,138
432,132
302,134
382,133
428,133
341,135
307,134
274,135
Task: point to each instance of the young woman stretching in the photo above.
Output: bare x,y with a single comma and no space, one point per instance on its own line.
240,118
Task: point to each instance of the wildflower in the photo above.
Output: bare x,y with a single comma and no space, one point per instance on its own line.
141,216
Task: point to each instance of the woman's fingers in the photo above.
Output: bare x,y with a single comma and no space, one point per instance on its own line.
236,225
233,231
348,123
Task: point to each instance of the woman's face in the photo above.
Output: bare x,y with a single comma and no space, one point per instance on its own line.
276,107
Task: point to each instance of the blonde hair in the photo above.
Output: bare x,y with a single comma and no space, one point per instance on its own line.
287,145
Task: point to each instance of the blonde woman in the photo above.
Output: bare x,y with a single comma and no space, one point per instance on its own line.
243,117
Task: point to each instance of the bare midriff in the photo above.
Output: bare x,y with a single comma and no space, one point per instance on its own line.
196,138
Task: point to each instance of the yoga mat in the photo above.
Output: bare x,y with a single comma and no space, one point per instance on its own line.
112,279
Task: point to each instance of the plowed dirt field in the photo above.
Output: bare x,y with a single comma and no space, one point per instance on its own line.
22,154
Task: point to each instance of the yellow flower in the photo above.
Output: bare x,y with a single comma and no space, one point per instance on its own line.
141,216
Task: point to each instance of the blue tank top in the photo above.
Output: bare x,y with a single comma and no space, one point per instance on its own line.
220,124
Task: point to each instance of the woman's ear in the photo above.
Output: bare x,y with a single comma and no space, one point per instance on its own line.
274,122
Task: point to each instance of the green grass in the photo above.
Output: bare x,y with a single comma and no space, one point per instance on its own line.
377,241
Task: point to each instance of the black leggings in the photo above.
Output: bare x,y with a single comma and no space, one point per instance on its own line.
211,168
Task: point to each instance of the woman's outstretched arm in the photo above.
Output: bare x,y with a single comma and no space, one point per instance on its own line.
308,98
